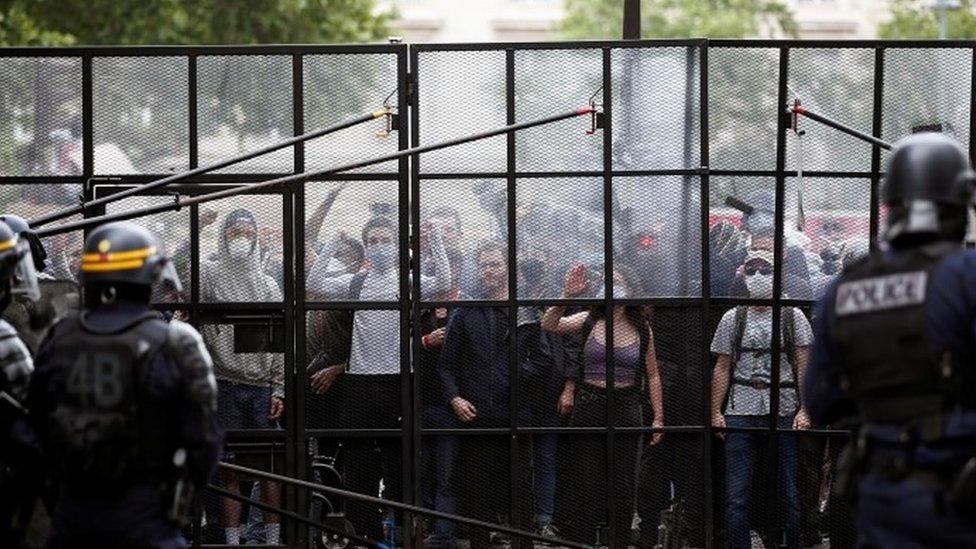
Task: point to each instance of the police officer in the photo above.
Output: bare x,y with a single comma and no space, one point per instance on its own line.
123,401
895,352
18,449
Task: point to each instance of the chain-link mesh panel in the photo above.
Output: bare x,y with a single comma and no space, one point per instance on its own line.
656,119
369,466
678,341
548,82
218,513
743,347
40,116
141,122
743,114
351,241
469,215
835,231
731,232
340,87
28,201
669,488
244,103
581,487
927,88
241,250
657,234
825,517
746,500
559,224
249,379
173,230
838,83
461,93
353,369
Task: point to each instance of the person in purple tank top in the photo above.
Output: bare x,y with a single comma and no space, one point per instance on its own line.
632,366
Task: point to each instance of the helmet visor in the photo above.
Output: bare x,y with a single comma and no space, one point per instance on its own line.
24,283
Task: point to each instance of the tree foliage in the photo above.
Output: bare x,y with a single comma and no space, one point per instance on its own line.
918,20
127,22
680,18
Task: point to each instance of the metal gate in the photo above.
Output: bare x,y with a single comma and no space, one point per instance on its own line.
684,126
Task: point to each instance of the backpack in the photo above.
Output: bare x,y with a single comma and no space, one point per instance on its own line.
789,336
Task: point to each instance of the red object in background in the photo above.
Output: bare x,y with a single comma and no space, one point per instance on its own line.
646,241
856,224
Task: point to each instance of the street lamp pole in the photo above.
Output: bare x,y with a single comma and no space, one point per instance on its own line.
943,7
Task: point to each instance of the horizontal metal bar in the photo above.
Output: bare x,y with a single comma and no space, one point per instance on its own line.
292,515
574,45
403,506
40,179
806,43
214,50
564,302
351,433
352,305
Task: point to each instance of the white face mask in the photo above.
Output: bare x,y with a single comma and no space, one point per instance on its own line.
239,248
760,286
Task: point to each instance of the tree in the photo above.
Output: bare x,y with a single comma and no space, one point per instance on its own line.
140,103
129,22
917,19
680,18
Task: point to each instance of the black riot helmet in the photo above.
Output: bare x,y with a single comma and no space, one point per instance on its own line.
928,188
124,259
20,227
17,275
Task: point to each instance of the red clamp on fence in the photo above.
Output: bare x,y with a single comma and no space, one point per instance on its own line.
797,110
596,116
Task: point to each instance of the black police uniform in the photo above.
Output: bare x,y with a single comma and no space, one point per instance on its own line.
123,403
895,351
18,447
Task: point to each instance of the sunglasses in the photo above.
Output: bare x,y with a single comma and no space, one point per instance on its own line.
763,270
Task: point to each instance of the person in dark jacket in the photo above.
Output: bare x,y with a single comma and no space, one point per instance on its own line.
475,375
123,402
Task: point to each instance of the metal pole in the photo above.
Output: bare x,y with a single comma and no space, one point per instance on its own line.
841,127
300,518
81,208
401,506
180,202
632,20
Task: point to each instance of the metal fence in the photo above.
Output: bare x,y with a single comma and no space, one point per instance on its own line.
685,124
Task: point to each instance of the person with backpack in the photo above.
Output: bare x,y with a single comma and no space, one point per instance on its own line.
636,380
741,386
366,384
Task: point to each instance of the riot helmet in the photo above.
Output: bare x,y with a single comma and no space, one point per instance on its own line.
21,228
17,275
124,257
927,188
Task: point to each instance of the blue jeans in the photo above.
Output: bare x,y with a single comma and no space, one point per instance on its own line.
741,454
439,457
544,476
